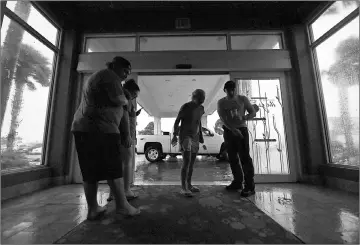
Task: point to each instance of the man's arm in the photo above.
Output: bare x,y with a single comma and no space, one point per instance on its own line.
132,112
250,109
125,126
177,121
201,136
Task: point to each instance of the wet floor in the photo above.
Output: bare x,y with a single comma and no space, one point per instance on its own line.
314,214
206,169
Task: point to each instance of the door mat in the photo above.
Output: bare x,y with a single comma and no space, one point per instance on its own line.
211,216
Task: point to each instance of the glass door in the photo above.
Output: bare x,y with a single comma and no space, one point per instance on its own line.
270,131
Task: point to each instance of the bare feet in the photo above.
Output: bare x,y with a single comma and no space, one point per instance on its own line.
130,195
96,214
129,211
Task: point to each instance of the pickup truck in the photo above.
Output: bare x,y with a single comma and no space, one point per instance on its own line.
158,147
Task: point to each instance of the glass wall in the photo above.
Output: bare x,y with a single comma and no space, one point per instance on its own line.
167,43
110,44
337,63
194,42
248,42
27,68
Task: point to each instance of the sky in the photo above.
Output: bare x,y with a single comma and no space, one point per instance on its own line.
35,107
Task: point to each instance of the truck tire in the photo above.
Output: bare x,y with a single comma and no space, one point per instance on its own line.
153,154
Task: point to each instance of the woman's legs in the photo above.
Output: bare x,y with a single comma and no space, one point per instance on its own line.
87,160
127,154
90,189
122,205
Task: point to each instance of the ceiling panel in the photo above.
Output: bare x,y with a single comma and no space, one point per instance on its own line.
164,95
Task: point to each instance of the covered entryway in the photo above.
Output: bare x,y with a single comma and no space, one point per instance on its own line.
256,61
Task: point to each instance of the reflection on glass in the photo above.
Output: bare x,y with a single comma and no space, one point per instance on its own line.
34,18
333,15
26,66
268,146
183,43
338,60
247,42
110,44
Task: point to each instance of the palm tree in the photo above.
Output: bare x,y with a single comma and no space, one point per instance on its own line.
344,73
148,130
334,10
31,67
10,52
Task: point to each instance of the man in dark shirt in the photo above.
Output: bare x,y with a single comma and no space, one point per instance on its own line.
232,109
190,136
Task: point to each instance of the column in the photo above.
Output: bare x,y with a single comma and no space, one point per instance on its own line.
157,125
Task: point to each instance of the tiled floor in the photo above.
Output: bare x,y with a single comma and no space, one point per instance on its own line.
314,214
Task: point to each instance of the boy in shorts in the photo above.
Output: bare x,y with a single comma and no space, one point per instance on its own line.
190,135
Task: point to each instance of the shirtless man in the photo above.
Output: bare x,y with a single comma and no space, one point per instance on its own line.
190,135
231,111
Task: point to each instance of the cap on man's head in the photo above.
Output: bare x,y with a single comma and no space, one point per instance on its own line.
230,85
120,61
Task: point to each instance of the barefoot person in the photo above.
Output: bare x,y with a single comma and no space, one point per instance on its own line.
97,136
131,90
190,134
231,110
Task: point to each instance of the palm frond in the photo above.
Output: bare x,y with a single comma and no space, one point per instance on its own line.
345,69
31,63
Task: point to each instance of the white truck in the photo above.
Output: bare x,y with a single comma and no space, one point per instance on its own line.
157,147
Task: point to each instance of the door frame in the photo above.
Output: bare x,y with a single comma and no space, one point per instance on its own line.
292,142
288,114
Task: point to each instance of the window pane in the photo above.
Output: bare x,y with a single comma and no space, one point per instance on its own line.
34,18
246,42
26,72
338,59
110,44
333,15
182,43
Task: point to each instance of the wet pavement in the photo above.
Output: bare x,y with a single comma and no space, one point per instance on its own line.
206,169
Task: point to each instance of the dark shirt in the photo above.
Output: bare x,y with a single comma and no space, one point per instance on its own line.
101,106
190,116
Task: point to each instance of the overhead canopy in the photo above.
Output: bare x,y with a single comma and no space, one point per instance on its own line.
162,96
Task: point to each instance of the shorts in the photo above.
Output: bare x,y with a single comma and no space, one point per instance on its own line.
189,144
99,156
